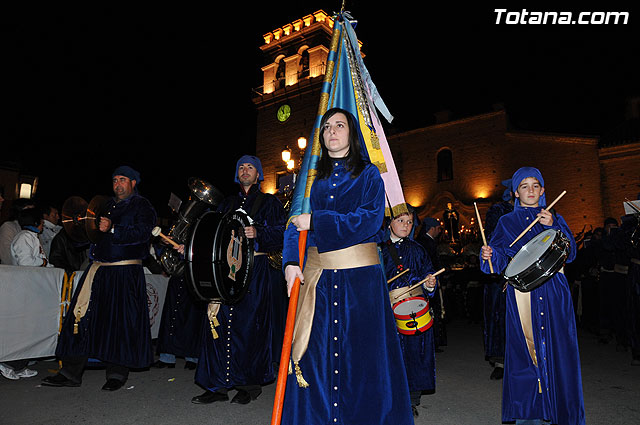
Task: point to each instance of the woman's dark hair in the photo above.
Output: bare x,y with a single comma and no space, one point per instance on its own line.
355,162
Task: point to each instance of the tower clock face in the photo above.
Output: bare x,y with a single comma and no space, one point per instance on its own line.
284,112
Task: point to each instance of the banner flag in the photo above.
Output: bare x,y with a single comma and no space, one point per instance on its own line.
348,85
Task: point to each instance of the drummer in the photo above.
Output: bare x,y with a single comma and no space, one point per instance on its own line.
401,254
542,378
240,354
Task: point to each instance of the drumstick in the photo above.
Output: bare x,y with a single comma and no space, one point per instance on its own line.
537,218
412,287
157,232
397,276
484,239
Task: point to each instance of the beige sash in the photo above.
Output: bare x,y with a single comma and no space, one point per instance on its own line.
347,258
523,301
84,297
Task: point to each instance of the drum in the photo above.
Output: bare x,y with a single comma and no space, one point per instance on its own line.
219,257
538,260
412,315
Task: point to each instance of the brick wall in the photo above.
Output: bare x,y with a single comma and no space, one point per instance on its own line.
620,171
484,153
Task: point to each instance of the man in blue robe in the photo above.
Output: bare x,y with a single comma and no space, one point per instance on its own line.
181,325
628,246
429,237
407,263
241,356
494,299
542,378
108,318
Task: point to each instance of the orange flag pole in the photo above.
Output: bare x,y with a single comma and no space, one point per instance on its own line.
281,385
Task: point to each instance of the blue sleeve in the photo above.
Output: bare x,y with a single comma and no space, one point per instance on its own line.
137,228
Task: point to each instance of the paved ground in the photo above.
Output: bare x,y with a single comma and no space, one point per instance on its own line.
465,395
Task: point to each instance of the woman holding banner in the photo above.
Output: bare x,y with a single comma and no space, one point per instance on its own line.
345,352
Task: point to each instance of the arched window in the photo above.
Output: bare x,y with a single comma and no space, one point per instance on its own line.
445,165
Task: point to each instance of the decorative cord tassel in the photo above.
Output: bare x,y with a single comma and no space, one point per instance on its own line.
301,382
539,386
213,331
75,327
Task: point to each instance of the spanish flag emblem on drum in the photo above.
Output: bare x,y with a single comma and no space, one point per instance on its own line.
412,315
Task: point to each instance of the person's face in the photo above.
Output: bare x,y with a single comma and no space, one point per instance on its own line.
247,174
529,192
401,226
123,187
53,216
435,231
336,135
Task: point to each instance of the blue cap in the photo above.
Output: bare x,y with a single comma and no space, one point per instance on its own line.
125,170
522,174
253,160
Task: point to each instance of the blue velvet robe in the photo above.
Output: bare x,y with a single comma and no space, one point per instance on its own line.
418,351
181,325
353,362
242,354
554,331
115,328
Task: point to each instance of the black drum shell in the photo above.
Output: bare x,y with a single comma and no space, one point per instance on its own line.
207,269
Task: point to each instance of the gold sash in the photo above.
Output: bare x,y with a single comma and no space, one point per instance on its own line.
347,258
523,303
84,297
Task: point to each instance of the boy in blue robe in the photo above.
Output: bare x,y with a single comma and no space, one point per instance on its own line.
542,378
401,254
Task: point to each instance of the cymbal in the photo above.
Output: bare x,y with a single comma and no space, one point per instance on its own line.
95,210
73,215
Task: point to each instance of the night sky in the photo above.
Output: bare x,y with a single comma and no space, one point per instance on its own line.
168,90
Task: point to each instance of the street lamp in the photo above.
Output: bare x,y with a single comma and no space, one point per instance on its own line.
286,154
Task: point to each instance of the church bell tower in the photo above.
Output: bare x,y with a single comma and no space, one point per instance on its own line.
295,57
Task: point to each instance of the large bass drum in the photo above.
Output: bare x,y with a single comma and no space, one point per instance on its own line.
538,260
219,257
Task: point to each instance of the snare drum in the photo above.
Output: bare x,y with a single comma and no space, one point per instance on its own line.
412,315
538,260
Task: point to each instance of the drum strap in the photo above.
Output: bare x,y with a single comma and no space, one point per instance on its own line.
523,302
256,204
84,297
361,255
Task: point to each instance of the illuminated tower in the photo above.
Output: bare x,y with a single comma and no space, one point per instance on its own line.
287,103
